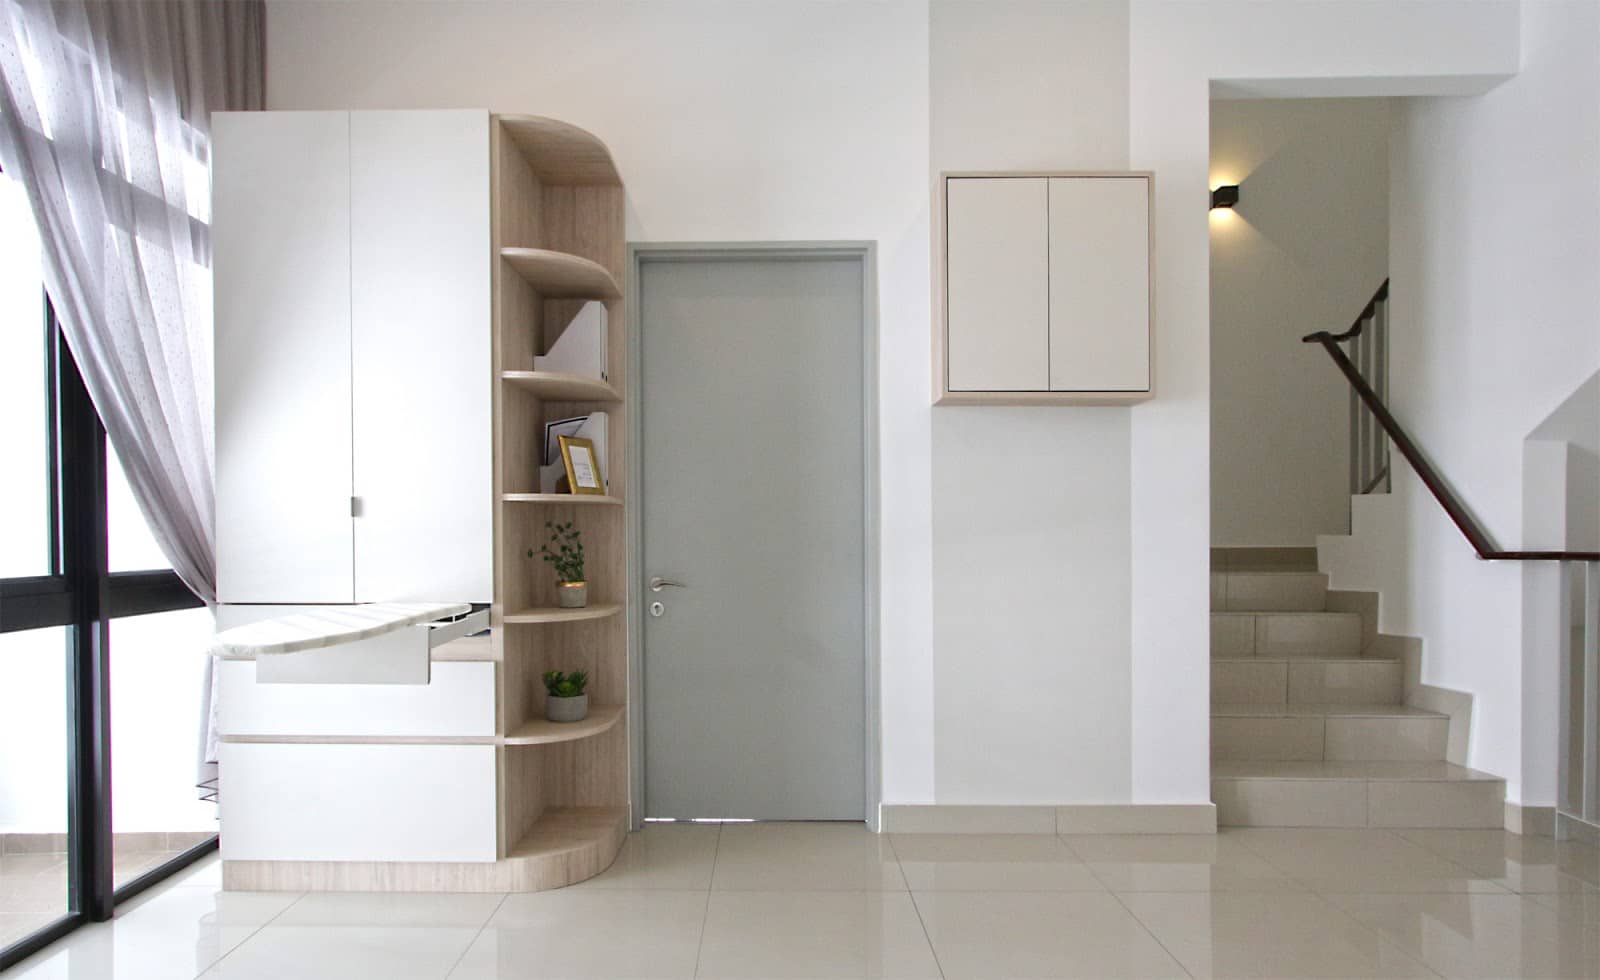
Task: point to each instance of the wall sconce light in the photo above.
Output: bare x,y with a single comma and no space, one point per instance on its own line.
1225,196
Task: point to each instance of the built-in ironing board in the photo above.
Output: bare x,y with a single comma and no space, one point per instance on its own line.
370,643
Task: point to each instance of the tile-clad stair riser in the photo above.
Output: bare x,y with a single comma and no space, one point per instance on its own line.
1299,634
1269,591
1343,682
1233,635
1477,804
1273,739
1249,681
1386,739
1266,801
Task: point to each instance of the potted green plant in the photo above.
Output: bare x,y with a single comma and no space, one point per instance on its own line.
564,553
566,700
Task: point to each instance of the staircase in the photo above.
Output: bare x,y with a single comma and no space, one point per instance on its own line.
1308,732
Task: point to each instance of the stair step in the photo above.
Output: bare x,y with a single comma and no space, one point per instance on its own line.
1274,591
1292,732
1287,634
1356,794
1263,559
1306,680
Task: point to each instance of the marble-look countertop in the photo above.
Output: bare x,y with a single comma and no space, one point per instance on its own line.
329,626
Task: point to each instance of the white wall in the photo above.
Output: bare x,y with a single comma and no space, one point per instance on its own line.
801,120
1304,250
1030,506
1495,313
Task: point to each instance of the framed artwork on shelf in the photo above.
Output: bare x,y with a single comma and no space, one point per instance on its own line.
583,467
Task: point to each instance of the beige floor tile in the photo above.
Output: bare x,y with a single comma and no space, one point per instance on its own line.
1255,935
1522,864
985,862
578,933
1372,861
390,909
1039,934
814,935
798,856
1481,935
1178,863
663,855
344,952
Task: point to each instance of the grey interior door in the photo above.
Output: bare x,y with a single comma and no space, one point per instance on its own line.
754,502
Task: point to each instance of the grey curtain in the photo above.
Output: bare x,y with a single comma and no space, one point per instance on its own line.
105,121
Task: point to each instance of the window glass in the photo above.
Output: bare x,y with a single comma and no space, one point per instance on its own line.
33,781
132,546
24,406
157,674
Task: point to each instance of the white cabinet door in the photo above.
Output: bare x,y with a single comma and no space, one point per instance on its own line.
997,282
281,253
420,314
1099,284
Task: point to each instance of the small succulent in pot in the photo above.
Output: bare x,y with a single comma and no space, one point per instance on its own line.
566,700
564,553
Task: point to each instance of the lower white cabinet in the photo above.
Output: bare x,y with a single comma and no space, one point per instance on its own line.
1043,288
457,701
344,802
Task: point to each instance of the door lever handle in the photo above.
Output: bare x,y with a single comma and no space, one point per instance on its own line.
657,583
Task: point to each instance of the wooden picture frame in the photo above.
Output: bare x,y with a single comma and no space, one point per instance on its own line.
583,466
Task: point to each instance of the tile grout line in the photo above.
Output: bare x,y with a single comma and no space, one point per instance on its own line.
253,933
473,941
705,913
1149,932
927,937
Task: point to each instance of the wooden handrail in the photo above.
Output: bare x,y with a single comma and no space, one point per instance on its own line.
1481,543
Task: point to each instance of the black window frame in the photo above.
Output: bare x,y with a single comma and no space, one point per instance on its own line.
82,594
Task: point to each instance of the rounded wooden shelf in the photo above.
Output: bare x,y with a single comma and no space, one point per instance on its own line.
554,614
602,718
561,275
561,153
563,387
591,499
566,845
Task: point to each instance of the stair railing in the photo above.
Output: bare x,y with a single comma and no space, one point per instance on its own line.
1579,776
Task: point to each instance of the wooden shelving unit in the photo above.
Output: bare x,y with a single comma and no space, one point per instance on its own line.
538,731
559,242
561,275
555,386
555,614
563,499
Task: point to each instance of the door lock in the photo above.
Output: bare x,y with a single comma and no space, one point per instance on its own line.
657,608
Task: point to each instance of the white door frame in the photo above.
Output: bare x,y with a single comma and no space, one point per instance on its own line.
641,253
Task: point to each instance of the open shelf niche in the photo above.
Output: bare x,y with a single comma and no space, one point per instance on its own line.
560,242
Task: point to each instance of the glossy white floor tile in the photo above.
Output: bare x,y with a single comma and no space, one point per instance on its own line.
820,934
831,900
988,862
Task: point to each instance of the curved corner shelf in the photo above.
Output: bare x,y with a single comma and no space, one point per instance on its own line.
565,845
601,719
563,387
561,153
592,499
561,275
554,614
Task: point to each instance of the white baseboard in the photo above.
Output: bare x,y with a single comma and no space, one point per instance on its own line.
1531,821
1123,818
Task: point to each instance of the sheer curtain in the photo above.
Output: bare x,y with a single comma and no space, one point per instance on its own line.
104,121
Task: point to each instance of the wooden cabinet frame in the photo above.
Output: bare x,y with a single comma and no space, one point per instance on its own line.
942,395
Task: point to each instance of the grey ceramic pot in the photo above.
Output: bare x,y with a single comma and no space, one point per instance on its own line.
572,595
566,709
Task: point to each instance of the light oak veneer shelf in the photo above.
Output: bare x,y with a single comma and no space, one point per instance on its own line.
561,153
541,732
552,614
589,499
561,275
563,387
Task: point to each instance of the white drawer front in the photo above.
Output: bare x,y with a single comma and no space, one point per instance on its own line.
457,701
357,802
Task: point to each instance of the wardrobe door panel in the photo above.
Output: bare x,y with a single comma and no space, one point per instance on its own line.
281,261
423,386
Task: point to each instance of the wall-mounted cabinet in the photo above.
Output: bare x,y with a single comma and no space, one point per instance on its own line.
1043,289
